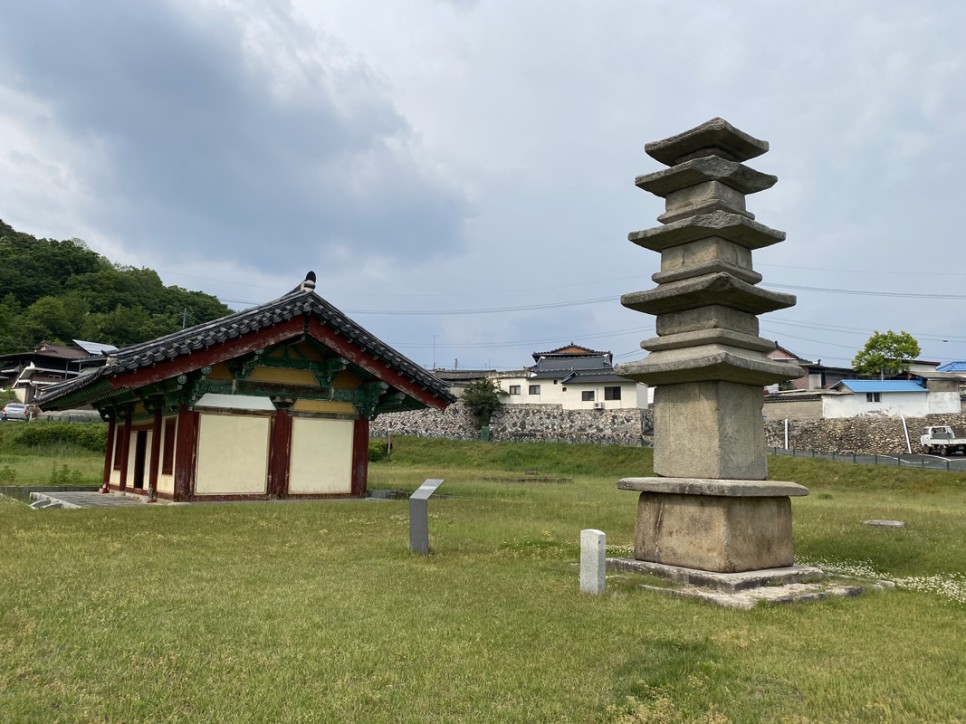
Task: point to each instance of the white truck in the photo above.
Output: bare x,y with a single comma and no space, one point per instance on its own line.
941,440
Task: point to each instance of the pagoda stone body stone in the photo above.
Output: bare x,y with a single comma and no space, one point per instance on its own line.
710,507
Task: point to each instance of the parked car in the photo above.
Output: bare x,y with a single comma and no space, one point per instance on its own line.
16,411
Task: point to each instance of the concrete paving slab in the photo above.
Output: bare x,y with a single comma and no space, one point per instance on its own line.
793,584
83,499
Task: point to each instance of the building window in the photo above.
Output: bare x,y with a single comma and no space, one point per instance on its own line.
872,397
534,389
167,456
612,393
514,389
587,396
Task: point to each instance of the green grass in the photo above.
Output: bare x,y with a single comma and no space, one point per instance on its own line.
56,462
317,610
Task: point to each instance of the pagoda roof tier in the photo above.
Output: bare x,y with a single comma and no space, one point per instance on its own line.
731,227
708,363
716,137
719,289
690,271
700,337
741,178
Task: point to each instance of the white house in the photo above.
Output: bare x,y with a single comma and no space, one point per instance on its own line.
574,377
891,398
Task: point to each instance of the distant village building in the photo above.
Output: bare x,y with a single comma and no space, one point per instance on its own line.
459,380
28,373
574,377
863,398
271,402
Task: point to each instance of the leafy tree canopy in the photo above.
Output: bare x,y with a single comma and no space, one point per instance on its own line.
482,398
886,354
56,291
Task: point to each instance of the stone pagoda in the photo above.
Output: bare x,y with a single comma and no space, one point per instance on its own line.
709,507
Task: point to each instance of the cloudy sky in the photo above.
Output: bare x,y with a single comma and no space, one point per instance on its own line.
460,174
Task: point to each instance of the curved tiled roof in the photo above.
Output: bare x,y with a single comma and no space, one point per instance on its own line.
299,302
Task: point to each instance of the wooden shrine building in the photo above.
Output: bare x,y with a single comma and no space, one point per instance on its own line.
271,402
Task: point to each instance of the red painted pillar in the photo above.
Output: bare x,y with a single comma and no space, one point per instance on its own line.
186,441
279,454
109,455
155,456
125,448
360,456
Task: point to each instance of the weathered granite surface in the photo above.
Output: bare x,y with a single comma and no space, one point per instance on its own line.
703,486
709,508
726,534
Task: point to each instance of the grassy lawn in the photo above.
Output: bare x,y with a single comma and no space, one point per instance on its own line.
317,610
49,464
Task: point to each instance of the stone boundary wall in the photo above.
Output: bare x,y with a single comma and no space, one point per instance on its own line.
861,435
551,423
527,423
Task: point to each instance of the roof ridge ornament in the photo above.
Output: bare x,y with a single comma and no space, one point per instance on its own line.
309,284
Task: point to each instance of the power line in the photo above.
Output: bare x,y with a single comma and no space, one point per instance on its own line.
529,342
861,271
490,310
868,293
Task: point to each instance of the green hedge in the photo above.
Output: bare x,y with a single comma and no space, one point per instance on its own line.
90,435
378,450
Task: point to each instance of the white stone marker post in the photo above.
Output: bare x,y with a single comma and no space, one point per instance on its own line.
593,564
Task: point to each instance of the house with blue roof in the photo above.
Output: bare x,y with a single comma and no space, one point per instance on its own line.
891,398
959,367
933,395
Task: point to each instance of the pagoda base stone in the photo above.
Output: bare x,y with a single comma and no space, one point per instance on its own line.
724,526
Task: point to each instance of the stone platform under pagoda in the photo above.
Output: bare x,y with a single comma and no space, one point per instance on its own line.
723,526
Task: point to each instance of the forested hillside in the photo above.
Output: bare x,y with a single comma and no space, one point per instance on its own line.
56,291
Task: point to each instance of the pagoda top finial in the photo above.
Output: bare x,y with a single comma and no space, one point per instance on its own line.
716,137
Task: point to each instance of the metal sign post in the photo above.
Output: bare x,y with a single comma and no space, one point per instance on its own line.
419,516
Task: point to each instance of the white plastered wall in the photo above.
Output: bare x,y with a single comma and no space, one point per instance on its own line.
232,455
910,404
569,396
115,475
165,482
944,403
321,456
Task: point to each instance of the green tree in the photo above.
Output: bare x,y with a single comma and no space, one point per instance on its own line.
886,354
482,399
55,319
56,291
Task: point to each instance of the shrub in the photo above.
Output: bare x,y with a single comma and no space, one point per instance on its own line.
90,436
378,450
482,399
64,475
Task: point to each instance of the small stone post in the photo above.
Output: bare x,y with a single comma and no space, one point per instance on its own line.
709,506
593,561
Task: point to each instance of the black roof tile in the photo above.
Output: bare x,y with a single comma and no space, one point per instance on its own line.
296,303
